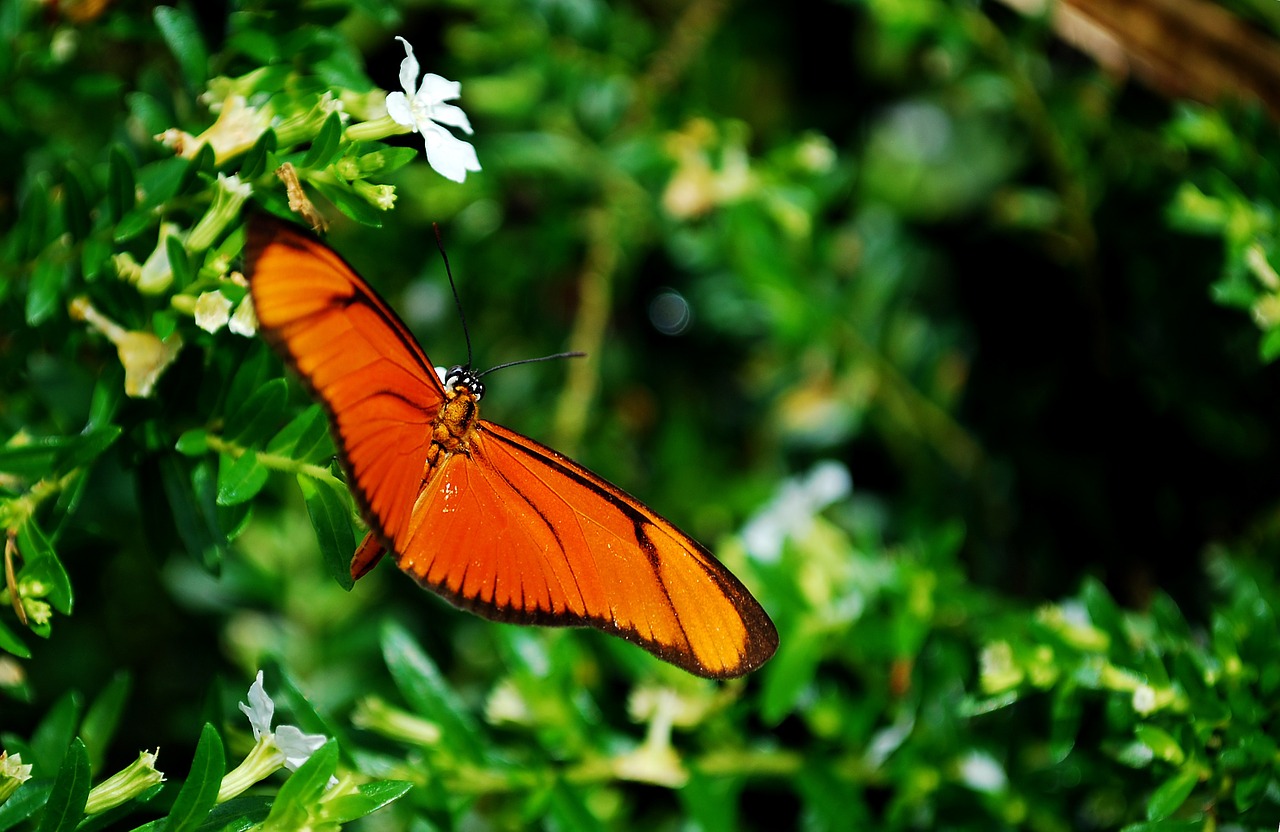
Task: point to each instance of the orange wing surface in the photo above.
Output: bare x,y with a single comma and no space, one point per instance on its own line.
491,520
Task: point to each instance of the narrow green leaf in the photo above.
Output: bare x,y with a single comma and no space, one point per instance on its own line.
368,799
302,790
252,374
1162,744
331,517
179,261
159,182
25,802
180,32
305,438
325,146
75,204
121,184
200,791
253,419
419,681
240,479
133,223
95,257
103,716
54,734
349,202
1172,793
42,564
88,446
194,442
178,478
257,159
10,643
65,807
45,292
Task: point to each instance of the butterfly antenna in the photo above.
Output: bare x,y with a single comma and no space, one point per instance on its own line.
462,316
533,361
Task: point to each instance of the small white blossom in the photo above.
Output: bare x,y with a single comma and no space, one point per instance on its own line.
1144,700
13,773
245,320
790,513
423,109
213,310
286,747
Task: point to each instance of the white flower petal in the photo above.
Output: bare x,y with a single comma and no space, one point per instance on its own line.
437,88
408,68
245,320
452,116
213,310
260,709
450,157
399,110
296,746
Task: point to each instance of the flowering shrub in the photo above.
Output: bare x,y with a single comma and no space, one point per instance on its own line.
776,273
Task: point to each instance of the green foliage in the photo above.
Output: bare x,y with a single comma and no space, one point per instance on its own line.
767,263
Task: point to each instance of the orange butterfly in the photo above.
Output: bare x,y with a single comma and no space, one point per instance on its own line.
493,521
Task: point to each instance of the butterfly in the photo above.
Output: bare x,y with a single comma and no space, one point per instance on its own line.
491,520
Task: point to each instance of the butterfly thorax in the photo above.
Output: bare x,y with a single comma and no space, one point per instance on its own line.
455,424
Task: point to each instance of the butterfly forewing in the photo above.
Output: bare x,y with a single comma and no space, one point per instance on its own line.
504,526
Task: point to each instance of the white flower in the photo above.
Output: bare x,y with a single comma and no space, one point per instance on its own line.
213,310
287,746
423,109
790,513
296,746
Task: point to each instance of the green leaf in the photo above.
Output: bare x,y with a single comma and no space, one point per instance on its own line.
256,160
54,733
95,257
331,517
200,791
179,261
324,148
102,718
292,805
190,519
349,202
10,643
70,791
25,802
253,419
419,681
134,223
180,32
306,438
42,564
368,799
240,479
252,375
75,204
122,184
1172,793
1162,744
194,442
45,293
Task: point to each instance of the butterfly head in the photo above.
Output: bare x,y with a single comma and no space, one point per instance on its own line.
464,377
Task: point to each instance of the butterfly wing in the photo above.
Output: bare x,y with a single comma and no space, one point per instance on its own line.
358,358
516,532
510,529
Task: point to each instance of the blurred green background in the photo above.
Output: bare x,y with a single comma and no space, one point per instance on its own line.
954,344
